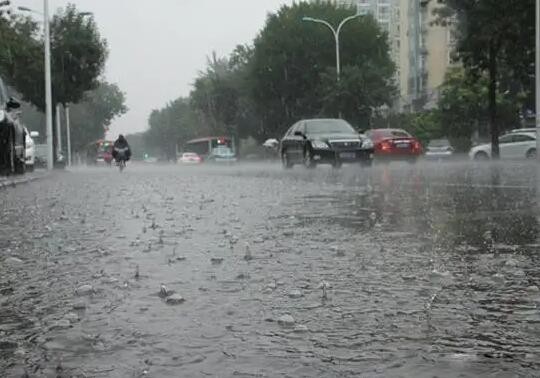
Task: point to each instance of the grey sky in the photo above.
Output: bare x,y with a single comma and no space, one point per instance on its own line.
158,46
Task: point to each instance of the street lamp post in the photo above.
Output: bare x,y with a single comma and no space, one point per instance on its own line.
48,85
48,81
537,112
336,33
58,130
48,89
68,136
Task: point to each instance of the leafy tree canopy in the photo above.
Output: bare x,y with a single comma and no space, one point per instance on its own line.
293,62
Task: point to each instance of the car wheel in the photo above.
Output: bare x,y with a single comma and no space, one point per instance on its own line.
531,154
309,163
481,156
285,161
20,167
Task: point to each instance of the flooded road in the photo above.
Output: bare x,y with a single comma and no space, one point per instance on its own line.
251,271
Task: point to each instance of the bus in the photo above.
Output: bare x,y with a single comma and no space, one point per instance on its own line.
205,146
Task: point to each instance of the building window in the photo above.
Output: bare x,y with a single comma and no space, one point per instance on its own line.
384,14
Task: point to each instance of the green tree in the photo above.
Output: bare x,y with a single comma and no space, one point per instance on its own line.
221,95
215,96
497,38
21,54
171,126
360,90
138,145
91,117
78,55
293,60
464,107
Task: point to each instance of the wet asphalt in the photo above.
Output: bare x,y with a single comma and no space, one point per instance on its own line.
431,270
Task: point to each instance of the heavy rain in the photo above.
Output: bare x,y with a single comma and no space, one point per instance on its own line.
299,211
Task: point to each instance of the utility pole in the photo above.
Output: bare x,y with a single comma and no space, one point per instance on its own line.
68,136
537,112
48,86
58,130
336,33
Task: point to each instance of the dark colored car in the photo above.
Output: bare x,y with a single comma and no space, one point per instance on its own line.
324,141
395,144
12,135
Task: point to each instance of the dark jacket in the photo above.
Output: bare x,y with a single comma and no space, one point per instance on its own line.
121,143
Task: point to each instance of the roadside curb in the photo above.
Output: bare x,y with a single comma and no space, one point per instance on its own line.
12,183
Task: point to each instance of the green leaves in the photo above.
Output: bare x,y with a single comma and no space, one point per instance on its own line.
171,125
293,68
78,55
94,114
464,107
288,74
495,38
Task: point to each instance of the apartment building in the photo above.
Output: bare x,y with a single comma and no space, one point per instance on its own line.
420,48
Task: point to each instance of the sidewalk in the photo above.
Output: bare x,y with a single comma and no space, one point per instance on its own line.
14,180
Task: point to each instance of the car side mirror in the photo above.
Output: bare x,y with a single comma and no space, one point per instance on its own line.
298,133
13,104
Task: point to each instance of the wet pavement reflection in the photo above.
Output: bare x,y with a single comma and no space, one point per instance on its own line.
399,270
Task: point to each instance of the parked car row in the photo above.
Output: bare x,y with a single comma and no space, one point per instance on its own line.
312,142
17,147
12,135
334,141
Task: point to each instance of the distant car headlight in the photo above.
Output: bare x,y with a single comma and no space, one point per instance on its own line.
367,144
319,145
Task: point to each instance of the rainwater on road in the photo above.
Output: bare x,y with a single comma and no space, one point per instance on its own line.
252,271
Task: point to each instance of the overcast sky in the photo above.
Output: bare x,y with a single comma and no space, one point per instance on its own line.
157,47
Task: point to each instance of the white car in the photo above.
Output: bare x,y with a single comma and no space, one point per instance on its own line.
190,158
439,149
516,145
30,152
272,144
525,130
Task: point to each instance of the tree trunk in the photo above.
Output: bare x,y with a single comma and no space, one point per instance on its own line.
494,127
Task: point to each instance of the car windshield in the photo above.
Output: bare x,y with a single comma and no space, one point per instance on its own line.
222,151
439,143
329,127
391,133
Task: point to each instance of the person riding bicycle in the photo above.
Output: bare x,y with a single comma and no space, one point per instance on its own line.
120,144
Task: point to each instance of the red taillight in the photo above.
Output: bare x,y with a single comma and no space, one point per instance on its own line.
385,146
417,146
